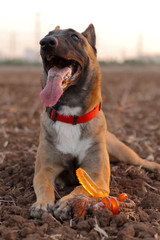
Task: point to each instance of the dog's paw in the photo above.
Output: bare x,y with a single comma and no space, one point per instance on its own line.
39,209
62,210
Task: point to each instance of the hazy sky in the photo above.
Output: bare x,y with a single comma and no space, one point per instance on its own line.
119,24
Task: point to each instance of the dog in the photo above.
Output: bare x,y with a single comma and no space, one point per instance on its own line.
73,127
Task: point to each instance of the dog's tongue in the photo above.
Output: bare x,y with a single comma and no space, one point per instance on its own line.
53,89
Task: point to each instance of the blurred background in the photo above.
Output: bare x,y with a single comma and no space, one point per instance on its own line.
126,30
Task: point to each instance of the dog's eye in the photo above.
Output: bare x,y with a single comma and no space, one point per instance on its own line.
75,37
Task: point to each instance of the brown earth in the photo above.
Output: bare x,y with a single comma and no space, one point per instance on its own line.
131,102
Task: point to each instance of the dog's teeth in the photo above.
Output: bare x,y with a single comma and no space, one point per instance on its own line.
67,76
71,68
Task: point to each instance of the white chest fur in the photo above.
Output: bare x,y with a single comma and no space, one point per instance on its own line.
69,137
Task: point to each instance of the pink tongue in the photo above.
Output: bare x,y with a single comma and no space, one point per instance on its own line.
53,89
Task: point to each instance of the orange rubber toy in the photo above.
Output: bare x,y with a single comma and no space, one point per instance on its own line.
100,198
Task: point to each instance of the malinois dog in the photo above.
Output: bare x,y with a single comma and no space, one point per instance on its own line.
73,126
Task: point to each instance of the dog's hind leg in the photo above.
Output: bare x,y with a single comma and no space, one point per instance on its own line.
125,154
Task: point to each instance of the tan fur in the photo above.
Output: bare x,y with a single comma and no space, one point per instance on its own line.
95,95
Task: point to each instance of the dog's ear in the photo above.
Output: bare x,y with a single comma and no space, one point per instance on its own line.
90,34
58,27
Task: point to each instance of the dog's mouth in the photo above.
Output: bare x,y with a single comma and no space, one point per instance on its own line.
62,73
74,69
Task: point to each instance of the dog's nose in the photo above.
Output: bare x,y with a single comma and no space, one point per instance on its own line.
48,42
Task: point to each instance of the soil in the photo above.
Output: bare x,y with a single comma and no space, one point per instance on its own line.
131,102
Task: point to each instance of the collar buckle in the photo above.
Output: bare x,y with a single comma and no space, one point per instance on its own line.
75,118
54,114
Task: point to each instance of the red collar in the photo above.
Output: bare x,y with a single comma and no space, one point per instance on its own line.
55,116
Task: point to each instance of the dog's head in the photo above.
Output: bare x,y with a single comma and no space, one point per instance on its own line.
65,54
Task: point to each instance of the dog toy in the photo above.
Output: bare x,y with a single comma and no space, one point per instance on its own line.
99,199
90,186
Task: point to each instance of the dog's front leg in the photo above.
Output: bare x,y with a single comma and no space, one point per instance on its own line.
98,168
62,209
43,182
44,190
